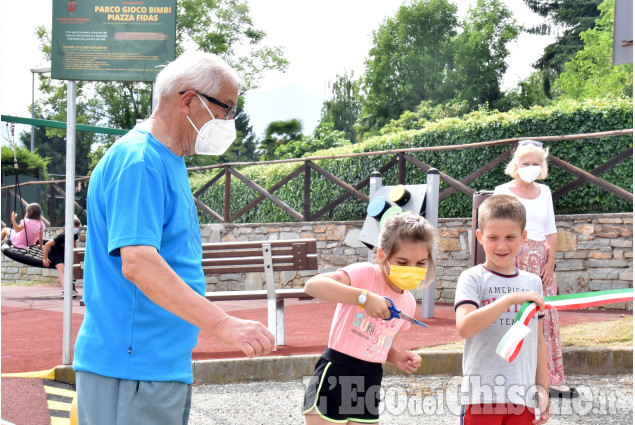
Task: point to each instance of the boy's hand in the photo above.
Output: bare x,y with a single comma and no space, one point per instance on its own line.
408,361
46,262
544,416
377,306
521,297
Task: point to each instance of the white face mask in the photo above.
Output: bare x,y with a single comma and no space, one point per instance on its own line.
215,137
530,173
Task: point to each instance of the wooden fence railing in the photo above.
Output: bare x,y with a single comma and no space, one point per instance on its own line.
395,158
399,158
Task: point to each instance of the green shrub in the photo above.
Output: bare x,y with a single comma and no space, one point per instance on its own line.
561,118
29,163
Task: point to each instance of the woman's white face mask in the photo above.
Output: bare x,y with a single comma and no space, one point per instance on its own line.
530,173
215,136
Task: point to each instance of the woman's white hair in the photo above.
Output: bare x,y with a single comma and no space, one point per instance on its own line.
194,71
521,151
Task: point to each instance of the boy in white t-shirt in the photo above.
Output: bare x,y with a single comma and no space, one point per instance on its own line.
487,300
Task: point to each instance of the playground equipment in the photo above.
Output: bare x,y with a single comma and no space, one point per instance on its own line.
422,199
476,250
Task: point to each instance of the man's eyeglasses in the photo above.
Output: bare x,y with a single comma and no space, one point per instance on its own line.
530,142
230,109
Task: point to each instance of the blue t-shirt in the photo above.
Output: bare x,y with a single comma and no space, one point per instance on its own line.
139,194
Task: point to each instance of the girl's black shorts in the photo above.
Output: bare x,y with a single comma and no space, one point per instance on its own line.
344,388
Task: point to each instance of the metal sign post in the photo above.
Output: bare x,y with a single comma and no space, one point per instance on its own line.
69,208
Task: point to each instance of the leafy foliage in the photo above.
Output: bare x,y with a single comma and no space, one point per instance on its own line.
224,28
571,17
591,73
279,133
29,163
342,110
408,61
563,117
323,137
480,58
425,113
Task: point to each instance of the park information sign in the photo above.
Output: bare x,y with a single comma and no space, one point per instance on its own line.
112,40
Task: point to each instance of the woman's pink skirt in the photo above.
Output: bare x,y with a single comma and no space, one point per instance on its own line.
532,258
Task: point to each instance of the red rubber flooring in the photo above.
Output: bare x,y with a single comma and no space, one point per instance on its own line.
32,322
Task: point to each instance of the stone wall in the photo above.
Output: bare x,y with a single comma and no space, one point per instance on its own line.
595,252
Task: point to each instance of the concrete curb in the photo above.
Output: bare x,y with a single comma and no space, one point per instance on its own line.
581,361
578,361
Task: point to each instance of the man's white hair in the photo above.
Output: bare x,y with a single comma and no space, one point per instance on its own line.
194,71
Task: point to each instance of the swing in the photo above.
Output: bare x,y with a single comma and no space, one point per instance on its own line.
32,256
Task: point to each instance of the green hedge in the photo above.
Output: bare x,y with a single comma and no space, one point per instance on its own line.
566,117
29,163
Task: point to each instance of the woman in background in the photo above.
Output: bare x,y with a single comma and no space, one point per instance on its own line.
538,254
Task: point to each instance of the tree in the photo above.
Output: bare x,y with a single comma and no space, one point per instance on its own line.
51,142
278,133
526,94
480,59
324,137
224,28
408,61
220,27
342,110
574,17
591,73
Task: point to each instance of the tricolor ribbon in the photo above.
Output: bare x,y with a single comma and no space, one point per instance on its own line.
512,341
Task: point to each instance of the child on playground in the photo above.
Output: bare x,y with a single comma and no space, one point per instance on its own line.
54,253
30,230
488,297
346,382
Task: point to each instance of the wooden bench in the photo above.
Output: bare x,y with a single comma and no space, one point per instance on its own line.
251,257
262,256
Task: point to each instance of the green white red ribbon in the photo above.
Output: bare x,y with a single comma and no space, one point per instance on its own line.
512,341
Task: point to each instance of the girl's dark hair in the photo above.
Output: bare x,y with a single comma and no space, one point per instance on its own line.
33,211
408,226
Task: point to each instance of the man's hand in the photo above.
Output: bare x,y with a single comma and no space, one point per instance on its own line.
46,262
253,338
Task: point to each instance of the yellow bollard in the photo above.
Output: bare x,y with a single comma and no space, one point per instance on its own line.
73,418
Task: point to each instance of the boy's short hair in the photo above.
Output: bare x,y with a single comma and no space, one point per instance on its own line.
76,221
502,207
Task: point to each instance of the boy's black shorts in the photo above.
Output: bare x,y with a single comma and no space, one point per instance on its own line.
344,388
56,258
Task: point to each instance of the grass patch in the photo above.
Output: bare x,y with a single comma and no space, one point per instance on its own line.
608,334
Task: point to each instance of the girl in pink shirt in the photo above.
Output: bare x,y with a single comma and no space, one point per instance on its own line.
345,385
30,230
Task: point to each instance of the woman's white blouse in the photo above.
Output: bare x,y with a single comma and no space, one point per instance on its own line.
540,217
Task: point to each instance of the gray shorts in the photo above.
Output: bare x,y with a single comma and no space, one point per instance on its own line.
104,401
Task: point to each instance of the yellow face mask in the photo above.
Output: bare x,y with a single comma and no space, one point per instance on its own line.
406,277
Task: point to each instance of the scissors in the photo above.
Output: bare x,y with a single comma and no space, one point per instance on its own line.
397,314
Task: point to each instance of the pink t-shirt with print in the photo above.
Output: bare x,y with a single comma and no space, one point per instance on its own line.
33,227
355,333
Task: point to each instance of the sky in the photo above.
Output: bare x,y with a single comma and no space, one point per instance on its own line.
321,39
